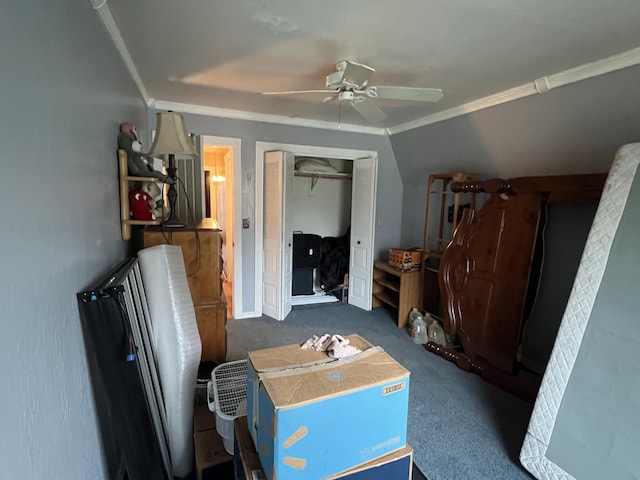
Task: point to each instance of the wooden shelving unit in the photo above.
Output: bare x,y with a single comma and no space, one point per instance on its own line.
439,199
396,288
439,225
125,218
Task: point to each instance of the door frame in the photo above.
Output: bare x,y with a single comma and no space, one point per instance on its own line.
236,147
303,151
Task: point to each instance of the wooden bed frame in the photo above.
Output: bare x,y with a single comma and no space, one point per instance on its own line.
484,272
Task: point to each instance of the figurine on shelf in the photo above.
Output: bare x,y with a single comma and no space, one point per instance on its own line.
159,210
140,204
147,203
136,161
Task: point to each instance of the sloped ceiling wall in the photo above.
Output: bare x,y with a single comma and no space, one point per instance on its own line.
573,129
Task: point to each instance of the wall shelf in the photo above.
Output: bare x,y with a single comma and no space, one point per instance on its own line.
125,217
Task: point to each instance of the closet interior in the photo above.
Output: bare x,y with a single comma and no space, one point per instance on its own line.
321,218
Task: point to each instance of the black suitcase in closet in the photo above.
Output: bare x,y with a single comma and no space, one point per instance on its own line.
307,253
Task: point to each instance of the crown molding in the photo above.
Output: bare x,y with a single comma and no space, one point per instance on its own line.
107,19
610,64
262,117
496,99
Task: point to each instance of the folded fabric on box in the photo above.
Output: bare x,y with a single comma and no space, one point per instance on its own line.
336,346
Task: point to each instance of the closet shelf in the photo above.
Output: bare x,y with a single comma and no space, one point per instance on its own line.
335,176
315,176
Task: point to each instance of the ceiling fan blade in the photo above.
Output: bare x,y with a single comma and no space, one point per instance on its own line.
293,92
369,110
356,74
412,94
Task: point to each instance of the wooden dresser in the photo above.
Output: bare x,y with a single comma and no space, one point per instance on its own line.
203,264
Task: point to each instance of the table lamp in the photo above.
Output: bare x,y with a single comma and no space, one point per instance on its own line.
171,139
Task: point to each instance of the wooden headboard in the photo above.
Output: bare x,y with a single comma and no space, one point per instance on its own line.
484,272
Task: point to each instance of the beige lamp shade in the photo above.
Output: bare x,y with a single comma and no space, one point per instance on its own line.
171,136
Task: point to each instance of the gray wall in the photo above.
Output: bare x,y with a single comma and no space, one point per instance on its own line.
64,92
389,189
573,129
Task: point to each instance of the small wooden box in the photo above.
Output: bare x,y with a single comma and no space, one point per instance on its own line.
405,259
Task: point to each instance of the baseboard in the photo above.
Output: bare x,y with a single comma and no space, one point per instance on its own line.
244,315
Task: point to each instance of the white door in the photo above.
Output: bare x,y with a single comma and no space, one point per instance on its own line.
363,194
277,253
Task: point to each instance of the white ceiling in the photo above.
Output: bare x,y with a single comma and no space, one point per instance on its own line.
222,54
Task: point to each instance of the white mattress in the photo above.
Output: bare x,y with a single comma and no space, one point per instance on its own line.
577,314
176,342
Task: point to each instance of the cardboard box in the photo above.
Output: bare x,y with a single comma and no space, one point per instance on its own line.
280,358
212,460
323,418
203,418
246,462
394,466
405,259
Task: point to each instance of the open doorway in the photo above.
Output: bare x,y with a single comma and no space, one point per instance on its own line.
220,159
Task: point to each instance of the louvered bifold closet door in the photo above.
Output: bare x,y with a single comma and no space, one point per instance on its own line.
277,235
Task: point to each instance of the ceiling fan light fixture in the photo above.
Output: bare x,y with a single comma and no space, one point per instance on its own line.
346,95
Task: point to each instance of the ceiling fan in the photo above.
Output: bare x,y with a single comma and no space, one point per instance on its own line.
349,84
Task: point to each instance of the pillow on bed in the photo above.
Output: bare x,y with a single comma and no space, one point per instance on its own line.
315,165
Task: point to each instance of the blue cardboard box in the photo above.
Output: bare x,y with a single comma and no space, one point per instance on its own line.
283,358
394,466
318,420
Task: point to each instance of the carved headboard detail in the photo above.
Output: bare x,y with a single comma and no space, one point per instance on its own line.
484,272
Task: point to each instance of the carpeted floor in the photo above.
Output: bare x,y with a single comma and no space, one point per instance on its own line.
460,427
